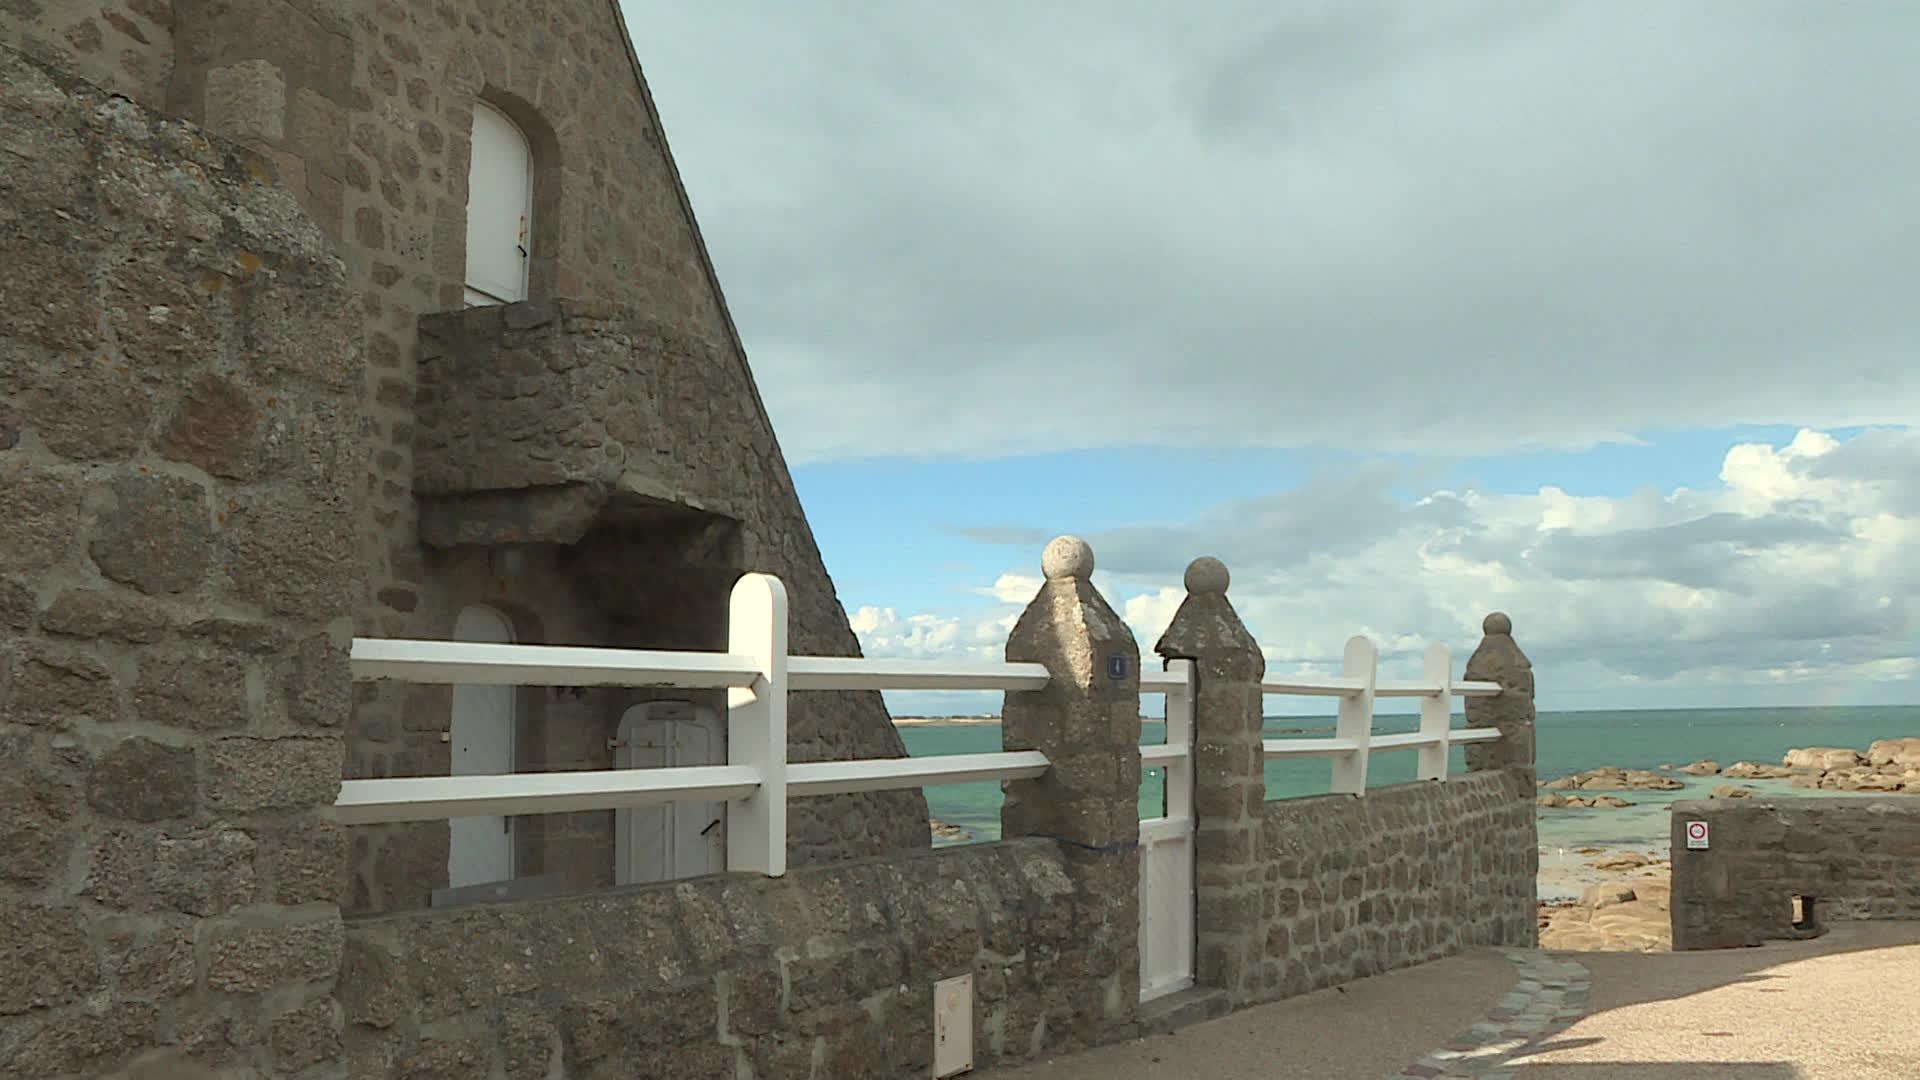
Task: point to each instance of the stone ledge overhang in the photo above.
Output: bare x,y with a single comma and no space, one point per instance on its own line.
534,422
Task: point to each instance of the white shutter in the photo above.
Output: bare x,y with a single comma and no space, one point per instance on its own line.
499,210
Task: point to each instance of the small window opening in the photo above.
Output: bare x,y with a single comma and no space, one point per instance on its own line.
1802,912
499,210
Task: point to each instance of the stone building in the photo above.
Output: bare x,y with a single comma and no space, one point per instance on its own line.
561,438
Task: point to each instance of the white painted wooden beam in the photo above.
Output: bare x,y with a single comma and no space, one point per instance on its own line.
854,673
482,664
1274,748
888,774
431,798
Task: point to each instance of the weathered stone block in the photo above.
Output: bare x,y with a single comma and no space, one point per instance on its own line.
246,774
306,1036
152,965
118,614
258,959
246,101
216,427
293,554
156,536
39,515
56,688
318,684
142,780
47,957
81,1043
199,691
201,871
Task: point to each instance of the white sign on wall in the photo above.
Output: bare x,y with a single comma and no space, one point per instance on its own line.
1696,836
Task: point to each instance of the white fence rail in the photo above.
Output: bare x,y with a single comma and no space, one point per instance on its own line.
1357,687
757,673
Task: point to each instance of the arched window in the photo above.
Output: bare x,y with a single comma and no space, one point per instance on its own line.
499,210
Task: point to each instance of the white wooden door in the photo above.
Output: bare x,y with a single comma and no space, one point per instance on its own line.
499,210
675,840
1166,854
481,848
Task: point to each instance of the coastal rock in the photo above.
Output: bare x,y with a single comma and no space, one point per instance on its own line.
1822,758
1557,801
1862,779
1640,923
1895,752
1599,896
1624,861
1613,778
1753,770
1729,791
948,833
1701,768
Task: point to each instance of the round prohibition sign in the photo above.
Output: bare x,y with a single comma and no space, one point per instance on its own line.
1696,830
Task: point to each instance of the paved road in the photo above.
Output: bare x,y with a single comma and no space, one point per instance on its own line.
1843,1007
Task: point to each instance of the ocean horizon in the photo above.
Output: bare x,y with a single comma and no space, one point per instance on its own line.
1565,742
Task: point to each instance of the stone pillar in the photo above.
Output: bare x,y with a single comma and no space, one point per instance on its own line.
1499,660
1229,780
180,488
1087,721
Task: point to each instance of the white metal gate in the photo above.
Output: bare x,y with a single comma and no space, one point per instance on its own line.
1166,844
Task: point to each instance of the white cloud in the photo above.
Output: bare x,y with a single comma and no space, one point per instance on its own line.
998,228
1012,588
1797,572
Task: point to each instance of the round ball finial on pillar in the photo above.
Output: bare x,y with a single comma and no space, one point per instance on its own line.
1497,623
1067,558
1207,576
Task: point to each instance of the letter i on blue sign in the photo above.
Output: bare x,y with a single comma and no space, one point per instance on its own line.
1117,666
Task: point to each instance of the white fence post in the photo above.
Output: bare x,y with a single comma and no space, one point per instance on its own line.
1179,785
757,726
1356,717
1436,713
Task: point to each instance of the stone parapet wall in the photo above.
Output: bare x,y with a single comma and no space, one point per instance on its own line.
827,972
180,488
1356,886
1855,858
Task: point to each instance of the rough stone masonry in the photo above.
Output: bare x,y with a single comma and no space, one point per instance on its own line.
1845,858
362,111
180,498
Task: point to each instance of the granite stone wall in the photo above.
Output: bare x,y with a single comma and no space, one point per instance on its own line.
179,504
1856,858
362,110
1357,886
825,973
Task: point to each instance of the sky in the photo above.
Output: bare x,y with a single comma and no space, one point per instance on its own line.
1600,312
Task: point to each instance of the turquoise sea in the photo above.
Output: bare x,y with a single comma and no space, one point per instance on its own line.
1567,742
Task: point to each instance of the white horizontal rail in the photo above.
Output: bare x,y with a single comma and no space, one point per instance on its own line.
857,673
1410,741
888,774
1344,687
1152,753
483,664
430,798
1309,747
1413,740
1333,687
1163,682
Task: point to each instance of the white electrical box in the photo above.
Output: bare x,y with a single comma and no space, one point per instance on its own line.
953,1026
